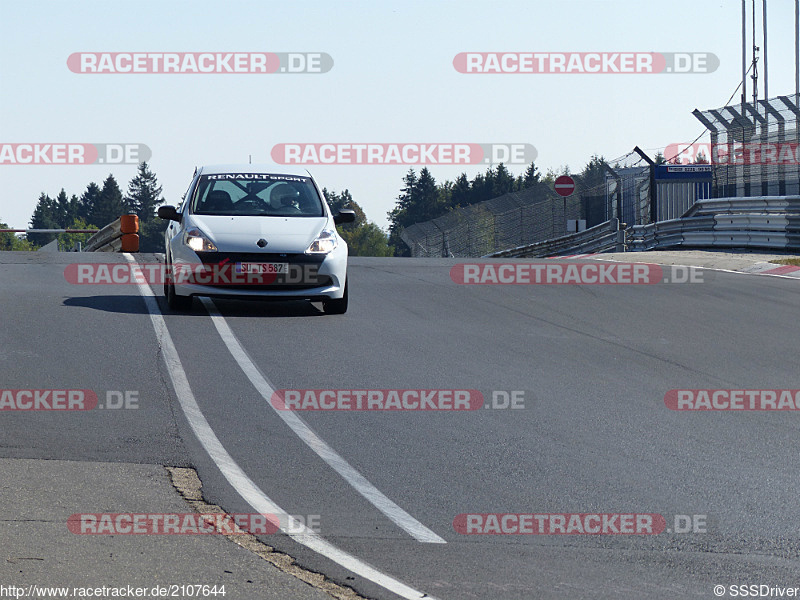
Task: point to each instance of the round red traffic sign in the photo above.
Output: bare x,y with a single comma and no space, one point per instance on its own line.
564,185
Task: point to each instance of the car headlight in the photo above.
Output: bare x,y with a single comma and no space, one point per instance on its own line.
198,242
325,243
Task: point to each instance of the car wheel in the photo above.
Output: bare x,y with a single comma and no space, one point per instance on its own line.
336,307
174,301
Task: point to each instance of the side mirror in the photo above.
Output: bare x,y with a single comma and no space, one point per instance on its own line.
169,213
346,215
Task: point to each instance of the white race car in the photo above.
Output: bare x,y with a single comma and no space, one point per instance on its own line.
255,231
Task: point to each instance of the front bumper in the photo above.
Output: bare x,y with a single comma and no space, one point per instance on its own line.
310,277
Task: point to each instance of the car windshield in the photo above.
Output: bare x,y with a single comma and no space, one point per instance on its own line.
257,194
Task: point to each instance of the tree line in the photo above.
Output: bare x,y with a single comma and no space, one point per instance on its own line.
421,199
95,208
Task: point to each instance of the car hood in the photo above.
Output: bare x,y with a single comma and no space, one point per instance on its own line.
240,234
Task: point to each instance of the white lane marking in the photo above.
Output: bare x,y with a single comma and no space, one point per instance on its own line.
400,517
246,488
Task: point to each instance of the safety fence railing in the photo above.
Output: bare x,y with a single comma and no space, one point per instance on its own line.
514,219
601,238
120,236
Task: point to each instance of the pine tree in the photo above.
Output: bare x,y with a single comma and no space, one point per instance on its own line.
87,201
109,206
531,177
503,181
426,202
44,217
144,194
66,210
460,194
399,216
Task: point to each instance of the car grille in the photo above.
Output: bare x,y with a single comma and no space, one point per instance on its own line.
210,258
321,281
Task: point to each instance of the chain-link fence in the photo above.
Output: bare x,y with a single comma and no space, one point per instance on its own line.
515,219
755,148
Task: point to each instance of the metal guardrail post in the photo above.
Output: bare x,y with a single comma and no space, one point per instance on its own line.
620,247
653,192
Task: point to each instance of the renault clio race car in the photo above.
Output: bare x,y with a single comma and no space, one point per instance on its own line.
258,232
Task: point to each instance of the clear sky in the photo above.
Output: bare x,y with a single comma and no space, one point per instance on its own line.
392,80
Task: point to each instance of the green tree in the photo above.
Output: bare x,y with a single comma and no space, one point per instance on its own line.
528,179
401,216
337,202
460,193
87,201
367,240
151,235
10,241
363,237
503,181
426,202
144,194
66,209
109,206
593,175
481,187
44,217
67,241
418,201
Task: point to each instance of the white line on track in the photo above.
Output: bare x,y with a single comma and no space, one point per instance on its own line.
245,486
397,515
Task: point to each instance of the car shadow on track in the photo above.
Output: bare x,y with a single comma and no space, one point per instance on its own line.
134,305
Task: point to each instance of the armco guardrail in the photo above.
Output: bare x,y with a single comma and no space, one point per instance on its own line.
600,238
756,222
751,204
119,236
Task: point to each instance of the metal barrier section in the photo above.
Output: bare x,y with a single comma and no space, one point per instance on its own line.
119,236
769,222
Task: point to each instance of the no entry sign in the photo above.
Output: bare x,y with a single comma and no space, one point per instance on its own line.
564,185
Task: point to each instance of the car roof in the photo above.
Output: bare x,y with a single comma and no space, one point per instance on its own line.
269,168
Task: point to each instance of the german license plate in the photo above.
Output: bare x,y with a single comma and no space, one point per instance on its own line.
262,268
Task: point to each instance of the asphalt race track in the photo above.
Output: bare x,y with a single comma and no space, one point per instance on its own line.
594,434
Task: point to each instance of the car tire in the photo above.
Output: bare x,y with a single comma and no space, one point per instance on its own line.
336,306
174,301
